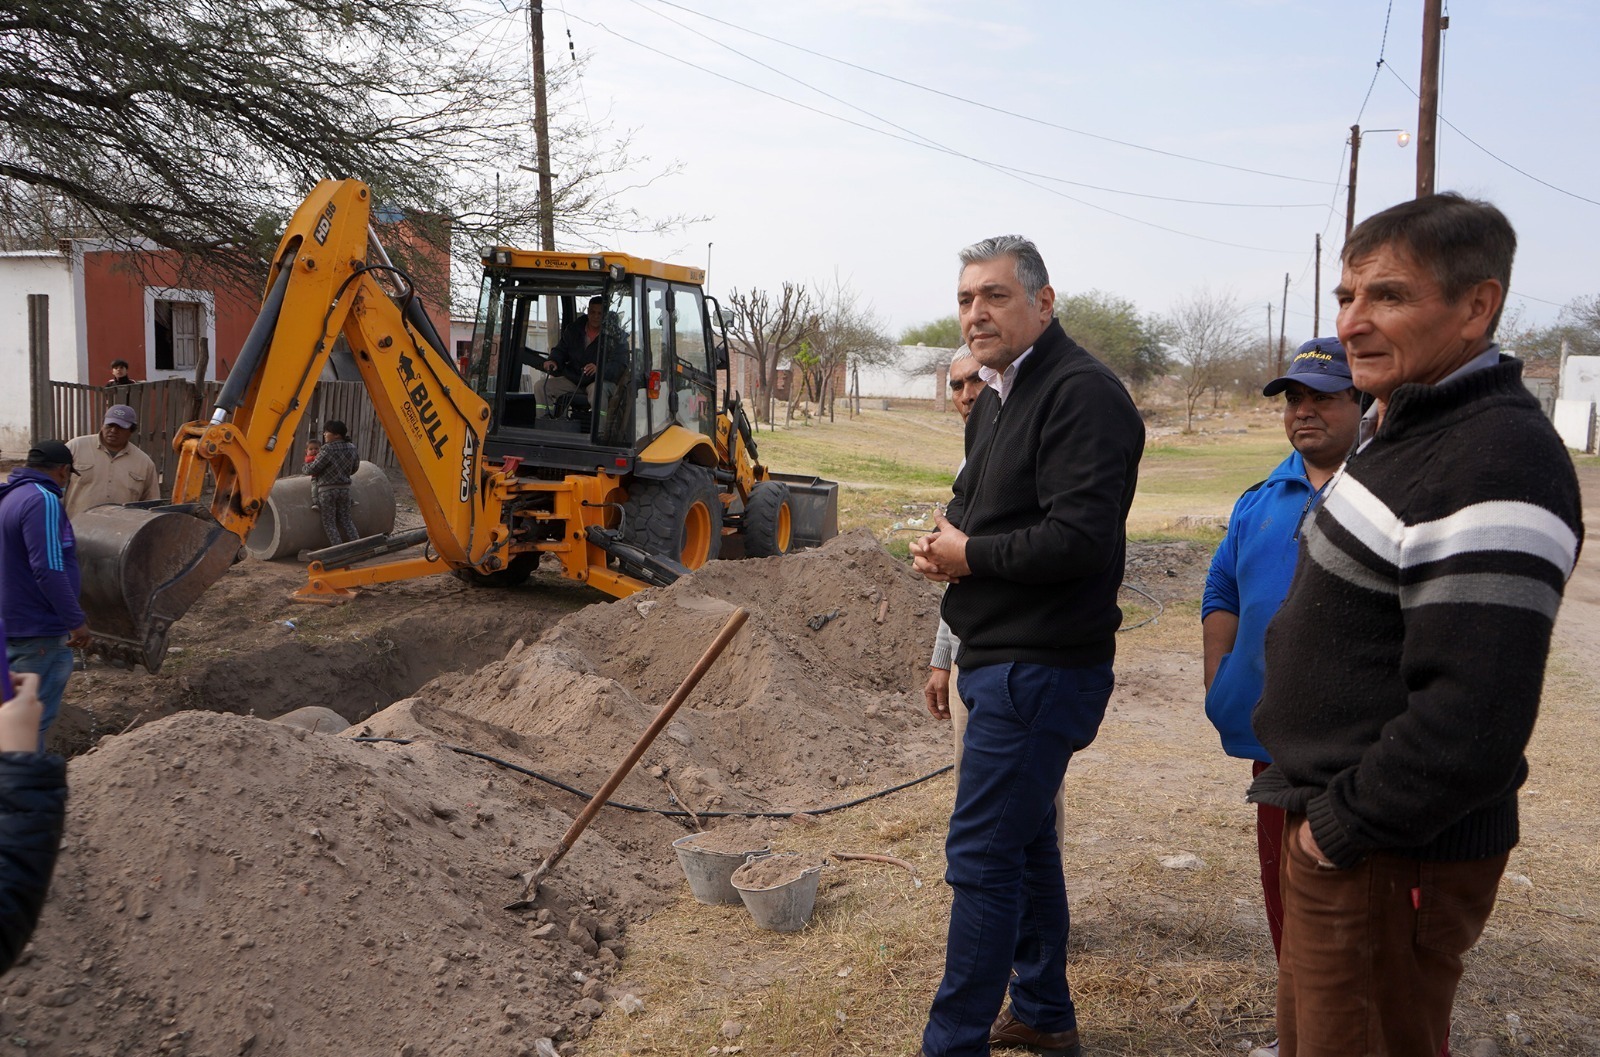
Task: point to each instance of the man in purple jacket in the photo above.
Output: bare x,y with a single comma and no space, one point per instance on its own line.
39,575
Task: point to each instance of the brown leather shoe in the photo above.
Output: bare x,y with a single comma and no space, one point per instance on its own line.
1009,1031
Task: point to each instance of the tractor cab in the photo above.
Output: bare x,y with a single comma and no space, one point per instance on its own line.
586,359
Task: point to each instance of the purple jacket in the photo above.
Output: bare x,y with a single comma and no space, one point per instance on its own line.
38,558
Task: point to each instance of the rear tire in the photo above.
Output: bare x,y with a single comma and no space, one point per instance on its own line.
678,518
515,574
768,521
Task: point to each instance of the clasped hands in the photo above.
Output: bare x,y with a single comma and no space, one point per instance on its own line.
941,555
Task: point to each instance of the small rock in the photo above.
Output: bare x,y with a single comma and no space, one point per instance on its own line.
630,1004
680,734
543,932
1485,1047
1186,860
731,1029
545,1048
589,1007
1519,880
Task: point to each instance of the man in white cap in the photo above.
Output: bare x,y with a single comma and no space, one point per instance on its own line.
111,469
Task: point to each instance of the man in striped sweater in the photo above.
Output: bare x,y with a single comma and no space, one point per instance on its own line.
1403,671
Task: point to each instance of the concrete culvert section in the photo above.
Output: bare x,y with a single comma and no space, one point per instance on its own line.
288,524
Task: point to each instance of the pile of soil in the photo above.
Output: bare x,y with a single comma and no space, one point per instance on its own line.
770,871
230,885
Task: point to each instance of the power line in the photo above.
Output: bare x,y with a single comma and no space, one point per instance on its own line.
1492,154
986,106
951,150
918,142
1383,46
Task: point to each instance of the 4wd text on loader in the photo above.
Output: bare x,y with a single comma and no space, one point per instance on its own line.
631,476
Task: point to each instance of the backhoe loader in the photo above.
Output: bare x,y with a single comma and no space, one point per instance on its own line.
590,434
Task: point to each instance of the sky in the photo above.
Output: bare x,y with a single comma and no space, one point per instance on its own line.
867,141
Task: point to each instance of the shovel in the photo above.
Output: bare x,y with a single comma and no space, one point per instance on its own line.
530,890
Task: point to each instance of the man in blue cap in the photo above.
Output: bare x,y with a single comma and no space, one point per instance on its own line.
1251,570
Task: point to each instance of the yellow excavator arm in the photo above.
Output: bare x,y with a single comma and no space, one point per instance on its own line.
324,285
144,567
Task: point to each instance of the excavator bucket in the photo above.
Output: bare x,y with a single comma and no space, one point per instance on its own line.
814,503
142,567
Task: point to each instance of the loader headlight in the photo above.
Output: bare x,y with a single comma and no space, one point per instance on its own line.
597,264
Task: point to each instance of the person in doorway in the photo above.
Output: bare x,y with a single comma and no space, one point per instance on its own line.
940,693
33,807
1033,549
110,467
1253,565
1404,669
39,578
119,373
331,470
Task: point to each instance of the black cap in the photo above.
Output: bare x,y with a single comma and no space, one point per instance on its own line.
1320,364
50,453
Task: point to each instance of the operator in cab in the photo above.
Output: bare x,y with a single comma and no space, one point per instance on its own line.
577,358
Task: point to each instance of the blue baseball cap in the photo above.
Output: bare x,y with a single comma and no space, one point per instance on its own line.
1319,364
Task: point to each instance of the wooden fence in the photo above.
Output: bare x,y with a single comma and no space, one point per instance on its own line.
163,407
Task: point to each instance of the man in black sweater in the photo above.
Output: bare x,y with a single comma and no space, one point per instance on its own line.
1403,671
1033,551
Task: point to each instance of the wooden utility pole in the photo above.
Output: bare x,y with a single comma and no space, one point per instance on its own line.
1316,294
1433,26
1350,199
1283,322
1269,331
41,406
541,128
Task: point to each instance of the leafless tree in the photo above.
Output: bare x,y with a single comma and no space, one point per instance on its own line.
847,335
1207,332
199,124
768,330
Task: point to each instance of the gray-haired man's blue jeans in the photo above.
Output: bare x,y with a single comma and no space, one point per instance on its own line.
1002,857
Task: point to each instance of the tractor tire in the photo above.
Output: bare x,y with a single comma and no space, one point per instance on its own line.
679,517
768,521
515,574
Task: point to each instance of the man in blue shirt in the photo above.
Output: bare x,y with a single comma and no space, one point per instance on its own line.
1251,570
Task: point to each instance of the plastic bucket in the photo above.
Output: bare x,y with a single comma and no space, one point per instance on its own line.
785,907
709,871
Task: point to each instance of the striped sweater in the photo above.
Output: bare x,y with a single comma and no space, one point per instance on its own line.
1404,669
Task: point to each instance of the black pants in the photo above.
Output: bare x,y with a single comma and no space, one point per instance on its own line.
334,503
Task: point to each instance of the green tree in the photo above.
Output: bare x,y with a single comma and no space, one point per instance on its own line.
940,334
1113,329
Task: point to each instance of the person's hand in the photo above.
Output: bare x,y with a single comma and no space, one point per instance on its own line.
548,366
79,638
19,717
588,370
1308,844
942,556
937,693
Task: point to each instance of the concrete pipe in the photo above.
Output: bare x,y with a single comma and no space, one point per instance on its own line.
288,525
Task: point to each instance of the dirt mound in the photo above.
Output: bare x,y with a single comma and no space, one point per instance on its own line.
233,886
796,709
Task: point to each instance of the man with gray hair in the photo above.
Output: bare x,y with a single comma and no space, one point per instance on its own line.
1403,670
1032,549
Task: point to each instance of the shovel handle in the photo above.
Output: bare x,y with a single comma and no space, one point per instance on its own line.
713,651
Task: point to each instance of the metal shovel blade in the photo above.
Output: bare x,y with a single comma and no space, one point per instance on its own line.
142,567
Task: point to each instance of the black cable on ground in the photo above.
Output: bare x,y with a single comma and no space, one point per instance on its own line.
664,812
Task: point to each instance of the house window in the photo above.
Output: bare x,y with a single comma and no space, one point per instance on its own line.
178,335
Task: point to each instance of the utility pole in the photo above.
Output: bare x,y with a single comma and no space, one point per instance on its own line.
1316,294
1433,26
1283,322
541,128
1269,330
1350,199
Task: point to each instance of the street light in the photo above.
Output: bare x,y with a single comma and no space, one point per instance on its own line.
1401,140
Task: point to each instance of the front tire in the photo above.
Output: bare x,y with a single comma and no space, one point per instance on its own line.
768,521
678,518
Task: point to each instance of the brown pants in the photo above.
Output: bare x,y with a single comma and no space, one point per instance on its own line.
1372,955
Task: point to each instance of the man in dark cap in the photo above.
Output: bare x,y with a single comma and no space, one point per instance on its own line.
1253,565
39,575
